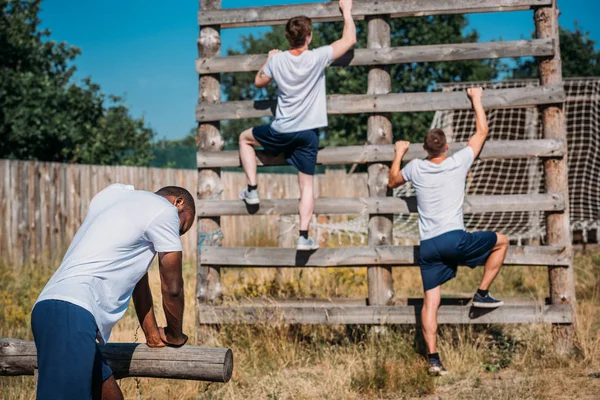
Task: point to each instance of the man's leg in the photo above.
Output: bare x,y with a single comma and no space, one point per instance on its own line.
248,155
494,262
307,199
110,390
431,303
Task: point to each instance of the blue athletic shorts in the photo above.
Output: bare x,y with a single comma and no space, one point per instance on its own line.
70,364
299,148
440,256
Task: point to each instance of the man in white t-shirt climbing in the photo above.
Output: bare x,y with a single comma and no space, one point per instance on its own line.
439,182
105,265
301,111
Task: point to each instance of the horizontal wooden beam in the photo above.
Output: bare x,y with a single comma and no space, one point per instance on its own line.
272,257
380,315
385,153
329,11
19,357
396,55
393,102
380,205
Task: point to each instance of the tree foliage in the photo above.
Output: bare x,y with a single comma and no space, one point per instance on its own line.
44,115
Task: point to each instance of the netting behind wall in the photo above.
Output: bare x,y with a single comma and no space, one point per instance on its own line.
516,176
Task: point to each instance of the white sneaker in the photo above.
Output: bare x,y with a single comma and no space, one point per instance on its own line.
249,196
306,244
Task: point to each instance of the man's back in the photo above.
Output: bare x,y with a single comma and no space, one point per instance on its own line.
440,192
112,251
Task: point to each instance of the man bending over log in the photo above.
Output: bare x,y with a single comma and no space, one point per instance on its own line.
105,265
301,111
439,182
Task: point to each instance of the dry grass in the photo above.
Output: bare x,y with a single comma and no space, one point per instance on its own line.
317,362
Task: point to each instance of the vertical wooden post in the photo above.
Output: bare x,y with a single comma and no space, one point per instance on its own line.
381,288
286,238
208,286
562,283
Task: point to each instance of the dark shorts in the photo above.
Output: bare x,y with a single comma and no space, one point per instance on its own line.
299,148
440,256
70,364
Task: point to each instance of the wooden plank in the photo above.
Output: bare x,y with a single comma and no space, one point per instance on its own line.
18,357
388,205
329,11
562,280
381,315
395,55
270,257
384,153
393,102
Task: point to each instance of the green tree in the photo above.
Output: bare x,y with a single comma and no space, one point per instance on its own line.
414,77
578,53
44,115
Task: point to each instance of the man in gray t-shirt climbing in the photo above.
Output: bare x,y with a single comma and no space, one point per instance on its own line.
301,111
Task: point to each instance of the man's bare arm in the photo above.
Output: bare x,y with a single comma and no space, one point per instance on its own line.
261,80
396,179
142,299
481,125
341,47
173,300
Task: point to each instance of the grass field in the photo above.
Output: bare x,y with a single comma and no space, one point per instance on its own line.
317,362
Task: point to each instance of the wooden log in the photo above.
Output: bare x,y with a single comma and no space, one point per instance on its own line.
509,149
270,257
381,315
393,102
562,281
388,205
395,55
19,357
208,286
379,132
329,11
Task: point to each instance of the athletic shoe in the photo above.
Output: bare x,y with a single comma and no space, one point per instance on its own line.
436,368
249,196
306,244
486,301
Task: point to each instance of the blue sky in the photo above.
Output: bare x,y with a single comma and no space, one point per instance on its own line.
145,50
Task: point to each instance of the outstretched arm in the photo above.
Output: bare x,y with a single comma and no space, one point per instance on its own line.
348,39
173,301
481,126
142,299
262,80
396,179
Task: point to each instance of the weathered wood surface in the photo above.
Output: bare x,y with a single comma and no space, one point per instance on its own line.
562,280
387,205
395,55
18,357
271,257
393,102
385,153
380,315
329,11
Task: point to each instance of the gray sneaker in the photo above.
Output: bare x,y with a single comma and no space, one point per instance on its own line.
250,197
306,244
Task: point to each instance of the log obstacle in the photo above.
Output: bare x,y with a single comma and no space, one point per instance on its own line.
127,360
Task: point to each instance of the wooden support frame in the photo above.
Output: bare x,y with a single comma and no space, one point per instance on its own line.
392,102
323,12
510,149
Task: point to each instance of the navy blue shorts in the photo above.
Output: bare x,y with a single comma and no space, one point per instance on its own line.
299,148
440,256
70,364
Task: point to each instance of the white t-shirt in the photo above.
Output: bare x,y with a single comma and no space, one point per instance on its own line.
111,252
440,192
302,100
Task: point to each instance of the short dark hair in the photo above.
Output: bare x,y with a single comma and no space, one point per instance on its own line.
188,200
297,30
435,142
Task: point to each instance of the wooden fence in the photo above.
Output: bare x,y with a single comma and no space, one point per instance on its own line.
379,256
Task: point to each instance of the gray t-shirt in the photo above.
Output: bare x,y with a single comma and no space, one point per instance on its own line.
301,101
440,192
